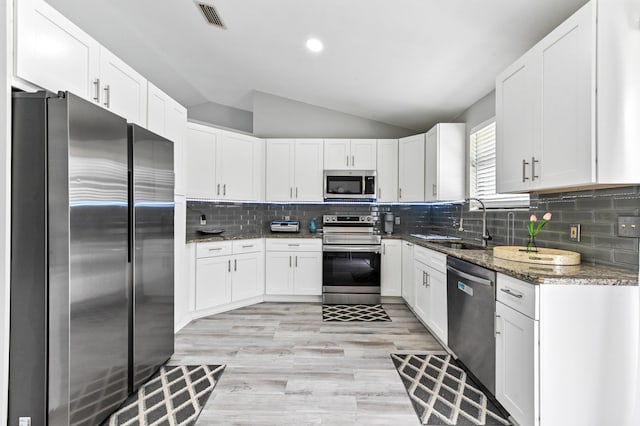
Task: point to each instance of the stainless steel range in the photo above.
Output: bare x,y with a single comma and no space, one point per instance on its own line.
351,260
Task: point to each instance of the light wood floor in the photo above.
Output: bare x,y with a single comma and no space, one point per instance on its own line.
287,367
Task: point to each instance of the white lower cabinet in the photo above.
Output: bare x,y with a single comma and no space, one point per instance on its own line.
516,340
408,286
228,272
293,267
430,285
391,268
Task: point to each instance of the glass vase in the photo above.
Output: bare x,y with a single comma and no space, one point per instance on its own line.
531,245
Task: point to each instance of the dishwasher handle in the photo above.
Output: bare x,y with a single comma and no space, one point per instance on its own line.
470,277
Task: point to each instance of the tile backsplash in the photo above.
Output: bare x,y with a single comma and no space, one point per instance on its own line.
595,210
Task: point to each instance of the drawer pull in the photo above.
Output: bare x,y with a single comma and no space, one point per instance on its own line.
511,293
248,246
215,249
293,245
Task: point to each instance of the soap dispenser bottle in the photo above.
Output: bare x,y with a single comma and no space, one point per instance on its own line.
312,226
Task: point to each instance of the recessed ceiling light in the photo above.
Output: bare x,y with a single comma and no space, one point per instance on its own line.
314,45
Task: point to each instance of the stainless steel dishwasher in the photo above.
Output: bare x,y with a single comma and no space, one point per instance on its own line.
471,305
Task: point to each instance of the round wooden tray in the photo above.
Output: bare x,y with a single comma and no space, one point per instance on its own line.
544,256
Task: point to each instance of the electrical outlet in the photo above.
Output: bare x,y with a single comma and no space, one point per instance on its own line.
24,421
629,226
397,220
574,232
287,218
203,220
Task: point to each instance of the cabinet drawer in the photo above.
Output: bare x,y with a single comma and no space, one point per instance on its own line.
294,244
517,294
248,246
432,258
213,249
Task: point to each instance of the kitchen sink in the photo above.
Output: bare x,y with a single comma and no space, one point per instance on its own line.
458,245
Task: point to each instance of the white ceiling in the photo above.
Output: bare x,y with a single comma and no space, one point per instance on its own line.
409,63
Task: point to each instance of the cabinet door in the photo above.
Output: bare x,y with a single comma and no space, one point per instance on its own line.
240,166
52,52
517,123
431,165
279,176
124,91
308,168
364,154
391,268
411,169
200,154
279,273
408,286
213,284
516,346
176,131
247,279
421,306
157,105
307,273
437,308
337,154
387,169
568,94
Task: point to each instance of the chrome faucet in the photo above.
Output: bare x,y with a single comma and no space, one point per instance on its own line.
485,233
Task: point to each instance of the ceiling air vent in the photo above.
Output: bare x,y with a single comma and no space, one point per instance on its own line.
210,14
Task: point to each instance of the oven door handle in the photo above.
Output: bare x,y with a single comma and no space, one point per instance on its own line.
470,277
351,248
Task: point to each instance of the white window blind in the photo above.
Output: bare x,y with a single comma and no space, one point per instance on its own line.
482,170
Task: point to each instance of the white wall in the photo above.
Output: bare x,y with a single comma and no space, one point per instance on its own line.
274,116
5,170
222,116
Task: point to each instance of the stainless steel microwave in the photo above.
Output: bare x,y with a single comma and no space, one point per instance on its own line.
350,185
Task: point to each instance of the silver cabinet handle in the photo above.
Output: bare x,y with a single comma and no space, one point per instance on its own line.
533,169
96,83
248,246
224,189
347,161
511,293
524,171
379,192
290,192
296,261
229,267
428,279
107,96
235,264
495,325
215,249
434,189
289,261
384,249
399,193
293,245
353,161
218,189
296,192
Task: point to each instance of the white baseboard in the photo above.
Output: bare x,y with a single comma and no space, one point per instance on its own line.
226,307
285,298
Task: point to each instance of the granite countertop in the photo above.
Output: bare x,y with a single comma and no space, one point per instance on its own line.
583,274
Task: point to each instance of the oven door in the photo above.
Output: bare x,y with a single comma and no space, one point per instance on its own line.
351,274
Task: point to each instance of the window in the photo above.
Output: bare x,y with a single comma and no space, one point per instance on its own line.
482,170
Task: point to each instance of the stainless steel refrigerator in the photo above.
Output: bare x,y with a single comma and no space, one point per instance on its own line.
69,245
151,189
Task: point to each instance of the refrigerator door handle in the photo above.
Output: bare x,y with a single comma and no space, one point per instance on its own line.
131,216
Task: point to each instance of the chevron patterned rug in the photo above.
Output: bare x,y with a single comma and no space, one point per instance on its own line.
442,394
175,395
367,313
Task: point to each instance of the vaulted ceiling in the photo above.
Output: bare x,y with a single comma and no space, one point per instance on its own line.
409,63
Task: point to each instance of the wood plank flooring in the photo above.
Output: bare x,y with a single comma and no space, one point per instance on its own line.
287,367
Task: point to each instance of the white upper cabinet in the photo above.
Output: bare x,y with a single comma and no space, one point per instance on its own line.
552,106
294,169
344,154
52,52
199,159
240,167
168,118
122,89
445,162
387,170
411,168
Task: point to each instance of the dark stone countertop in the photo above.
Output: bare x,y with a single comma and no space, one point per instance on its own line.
583,274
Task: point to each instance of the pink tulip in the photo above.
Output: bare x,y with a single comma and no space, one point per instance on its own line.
533,218
547,216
